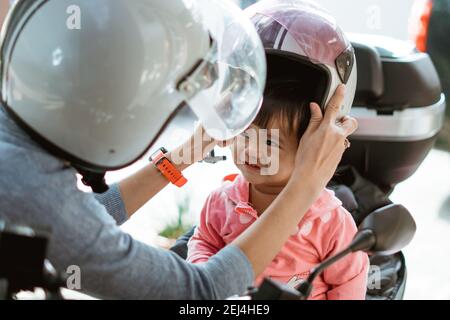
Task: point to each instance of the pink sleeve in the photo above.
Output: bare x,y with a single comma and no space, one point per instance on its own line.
206,240
347,277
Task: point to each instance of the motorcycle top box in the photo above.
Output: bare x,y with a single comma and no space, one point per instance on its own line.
399,106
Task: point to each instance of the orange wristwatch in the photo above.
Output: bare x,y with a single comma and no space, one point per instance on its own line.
167,169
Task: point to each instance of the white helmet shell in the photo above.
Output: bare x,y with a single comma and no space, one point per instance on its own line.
100,90
303,32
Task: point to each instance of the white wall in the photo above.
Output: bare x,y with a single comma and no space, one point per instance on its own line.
383,17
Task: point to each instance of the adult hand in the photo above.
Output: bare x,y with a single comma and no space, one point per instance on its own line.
324,142
193,150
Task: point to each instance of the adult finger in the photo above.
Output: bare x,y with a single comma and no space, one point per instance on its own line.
334,106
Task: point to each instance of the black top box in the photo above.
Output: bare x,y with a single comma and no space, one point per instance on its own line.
400,108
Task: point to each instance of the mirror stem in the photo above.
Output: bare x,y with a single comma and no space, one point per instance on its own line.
364,240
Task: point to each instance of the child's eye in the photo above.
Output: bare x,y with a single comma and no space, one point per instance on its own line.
273,144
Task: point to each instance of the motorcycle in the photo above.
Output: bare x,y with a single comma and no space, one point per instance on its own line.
24,266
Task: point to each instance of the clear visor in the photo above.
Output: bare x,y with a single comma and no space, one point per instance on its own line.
225,89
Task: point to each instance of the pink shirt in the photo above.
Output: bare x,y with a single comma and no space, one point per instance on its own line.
325,229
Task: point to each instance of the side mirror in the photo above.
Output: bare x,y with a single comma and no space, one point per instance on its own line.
385,231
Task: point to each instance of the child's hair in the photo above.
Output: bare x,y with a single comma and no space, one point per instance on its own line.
284,102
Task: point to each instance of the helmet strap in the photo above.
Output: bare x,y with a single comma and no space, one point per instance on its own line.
94,180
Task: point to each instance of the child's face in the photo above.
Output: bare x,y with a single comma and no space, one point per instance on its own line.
265,156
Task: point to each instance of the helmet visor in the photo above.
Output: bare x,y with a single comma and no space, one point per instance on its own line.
225,89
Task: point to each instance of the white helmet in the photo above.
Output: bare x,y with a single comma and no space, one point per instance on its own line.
96,82
301,37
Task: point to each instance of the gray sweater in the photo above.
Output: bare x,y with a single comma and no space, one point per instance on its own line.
36,188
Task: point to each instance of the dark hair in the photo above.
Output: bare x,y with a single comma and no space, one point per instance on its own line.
284,102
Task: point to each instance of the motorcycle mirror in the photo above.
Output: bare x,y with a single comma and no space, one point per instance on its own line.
385,231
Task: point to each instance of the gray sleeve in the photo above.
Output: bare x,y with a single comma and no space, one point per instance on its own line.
112,263
133,270
112,201
116,266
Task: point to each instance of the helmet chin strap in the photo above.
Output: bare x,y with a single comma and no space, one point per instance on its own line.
94,180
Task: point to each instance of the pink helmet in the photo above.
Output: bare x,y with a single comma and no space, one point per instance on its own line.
302,39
